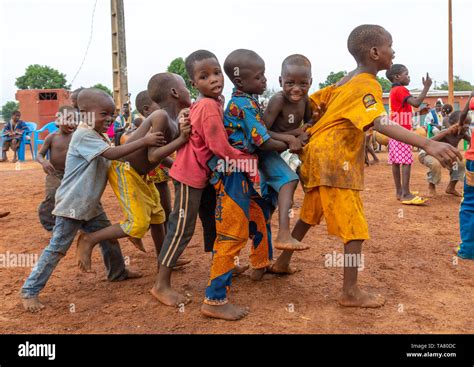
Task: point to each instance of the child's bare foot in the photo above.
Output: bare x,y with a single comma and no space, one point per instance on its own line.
281,266
359,298
32,304
84,252
257,274
227,312
290,244
240,269
4,214
453,192
138,243
169,297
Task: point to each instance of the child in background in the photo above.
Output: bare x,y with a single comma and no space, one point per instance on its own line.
12,134
57,144
78,204
401,112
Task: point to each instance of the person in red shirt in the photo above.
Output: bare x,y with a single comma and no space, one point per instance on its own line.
401,112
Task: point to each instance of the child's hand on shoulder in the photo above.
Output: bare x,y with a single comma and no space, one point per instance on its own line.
48,168
183,116
155,139
318,112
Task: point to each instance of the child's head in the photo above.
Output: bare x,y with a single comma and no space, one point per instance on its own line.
164,88
456,116
75,95
205,73
246,70
398,73
97,109
446,109
371,45
295,77
67,119
144,104
16,116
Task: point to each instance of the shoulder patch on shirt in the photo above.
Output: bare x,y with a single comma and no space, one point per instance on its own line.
369,100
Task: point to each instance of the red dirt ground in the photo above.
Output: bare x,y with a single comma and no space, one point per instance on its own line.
408,259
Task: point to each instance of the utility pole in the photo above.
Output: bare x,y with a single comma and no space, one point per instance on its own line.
119,53
450,55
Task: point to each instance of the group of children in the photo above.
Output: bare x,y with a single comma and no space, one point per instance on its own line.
218,152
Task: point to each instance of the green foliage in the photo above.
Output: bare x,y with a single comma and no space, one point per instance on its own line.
177,66
332,78
385,84
104,88
459,85
8,108
42,77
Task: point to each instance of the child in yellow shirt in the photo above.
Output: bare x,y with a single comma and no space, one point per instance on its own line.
332,167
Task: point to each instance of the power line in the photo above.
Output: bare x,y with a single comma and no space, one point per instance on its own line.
88,44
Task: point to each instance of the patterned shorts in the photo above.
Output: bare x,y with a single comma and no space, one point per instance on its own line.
399,153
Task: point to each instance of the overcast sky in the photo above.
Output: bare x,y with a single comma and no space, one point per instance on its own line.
56,33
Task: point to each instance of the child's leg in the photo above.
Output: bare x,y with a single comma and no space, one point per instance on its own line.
14,146
47,219
63,234
111,252
232,226
456,174
406,173
397,179
466,215
433,176
181,225
207,211
352,296
165,199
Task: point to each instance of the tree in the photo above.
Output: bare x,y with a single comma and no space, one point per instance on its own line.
8,108
42,77
177,66
104,88
459,84
333,78
385,84
269,93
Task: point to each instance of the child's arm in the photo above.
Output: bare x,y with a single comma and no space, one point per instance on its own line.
416,102
159,123
452,130
48,168
465,111
152,139
272,144
444,153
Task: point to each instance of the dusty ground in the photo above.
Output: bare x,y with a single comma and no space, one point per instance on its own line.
408,259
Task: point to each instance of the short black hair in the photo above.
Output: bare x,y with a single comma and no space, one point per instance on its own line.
141,100
93,97
137,121
239,59
297,60
396,69
16,112
76,92
159,86
448,108
363,38
454,118
196,56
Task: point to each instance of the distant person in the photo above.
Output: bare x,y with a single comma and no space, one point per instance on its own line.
57,144
445,112
12,134
457,131
434,119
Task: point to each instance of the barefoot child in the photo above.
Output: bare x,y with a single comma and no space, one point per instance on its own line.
241,212
57,145
190,170
457,130
78,204
159,175
466,213
285,118
12,134
400,154
138,195
333,161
